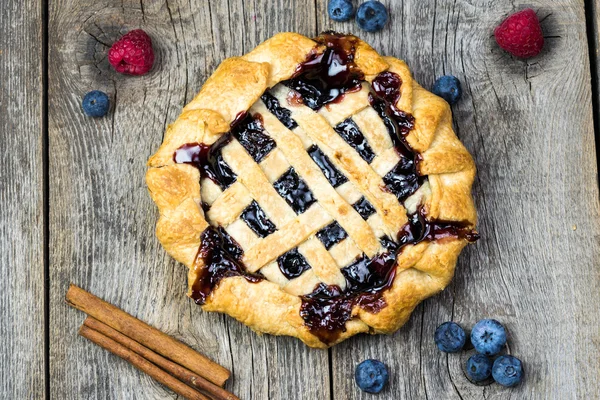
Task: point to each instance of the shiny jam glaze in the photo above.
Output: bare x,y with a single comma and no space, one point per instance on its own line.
404,179
335,177
249,131
349,131
326,76
327,309
292,264
419,229
332,234
257,220
387,85
220,256
325,312
294,191
281,113
209,160
364,208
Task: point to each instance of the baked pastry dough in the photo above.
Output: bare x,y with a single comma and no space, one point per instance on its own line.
314,189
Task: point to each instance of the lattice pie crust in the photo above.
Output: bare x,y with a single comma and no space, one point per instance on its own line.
310,238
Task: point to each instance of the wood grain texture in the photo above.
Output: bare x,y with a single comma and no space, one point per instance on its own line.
527,123
101,216
21,200
529,127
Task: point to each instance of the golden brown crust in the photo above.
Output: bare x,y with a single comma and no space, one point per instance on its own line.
229,96
176,191
283,53
236,85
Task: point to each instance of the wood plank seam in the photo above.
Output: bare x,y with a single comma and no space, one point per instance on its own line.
592,16
46,198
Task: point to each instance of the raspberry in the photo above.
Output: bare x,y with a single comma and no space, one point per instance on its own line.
521,34
132,54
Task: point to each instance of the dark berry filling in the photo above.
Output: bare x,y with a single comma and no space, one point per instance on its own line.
325,77
220,255
364,208
327,309
257,220
335,177
292,264
250,133
281,113
369,274
349,131
229,244
387,86
419,229
209,160
294,191
325,312
403,180
388,244
331,234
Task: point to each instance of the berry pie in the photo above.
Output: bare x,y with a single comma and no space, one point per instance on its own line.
314,189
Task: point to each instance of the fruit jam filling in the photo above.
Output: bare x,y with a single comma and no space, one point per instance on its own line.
221,258
324,78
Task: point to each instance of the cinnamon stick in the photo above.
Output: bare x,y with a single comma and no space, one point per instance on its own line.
183,374
144,334
142,364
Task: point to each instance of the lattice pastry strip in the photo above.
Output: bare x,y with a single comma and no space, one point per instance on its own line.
323,263
353,103
229,205
372,127
252,177
349,162
331,201
286,237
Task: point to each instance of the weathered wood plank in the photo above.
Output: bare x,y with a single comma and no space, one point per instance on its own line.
101,217
529,126
21,196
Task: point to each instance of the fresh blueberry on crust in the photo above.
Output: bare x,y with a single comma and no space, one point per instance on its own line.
479,367
449,337
488,337
340,10
371,16
507,371
95,104
371,376
448,88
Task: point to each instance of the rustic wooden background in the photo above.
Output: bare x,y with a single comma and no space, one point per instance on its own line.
74,207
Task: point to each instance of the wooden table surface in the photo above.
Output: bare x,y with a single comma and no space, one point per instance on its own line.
74,206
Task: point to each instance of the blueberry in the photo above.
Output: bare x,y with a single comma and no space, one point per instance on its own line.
507,370
340,10
448,88
371,376
479,367
449,337
95,104
371,16
488,337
